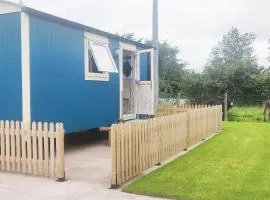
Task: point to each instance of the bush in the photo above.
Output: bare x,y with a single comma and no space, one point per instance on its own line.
246,114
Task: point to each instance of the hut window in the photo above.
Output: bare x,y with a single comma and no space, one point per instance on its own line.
103,58
98,59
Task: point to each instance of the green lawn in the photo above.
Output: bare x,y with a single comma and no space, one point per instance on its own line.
234,165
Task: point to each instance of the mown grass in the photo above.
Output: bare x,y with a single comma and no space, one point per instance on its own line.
246,114
234,165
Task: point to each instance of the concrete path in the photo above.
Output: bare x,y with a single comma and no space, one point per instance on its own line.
88,168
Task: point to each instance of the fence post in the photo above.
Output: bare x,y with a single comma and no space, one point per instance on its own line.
2,137
12,141
225,107
220,117
113,151
7,145
188,130
60,152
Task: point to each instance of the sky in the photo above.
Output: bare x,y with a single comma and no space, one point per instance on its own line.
195,26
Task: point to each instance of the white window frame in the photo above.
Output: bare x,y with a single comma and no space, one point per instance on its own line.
103,76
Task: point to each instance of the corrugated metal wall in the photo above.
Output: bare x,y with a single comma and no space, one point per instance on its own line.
59,91
10,67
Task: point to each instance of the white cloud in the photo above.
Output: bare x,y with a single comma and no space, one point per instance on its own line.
194,25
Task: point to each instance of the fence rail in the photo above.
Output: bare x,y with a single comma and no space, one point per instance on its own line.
139,145
35,150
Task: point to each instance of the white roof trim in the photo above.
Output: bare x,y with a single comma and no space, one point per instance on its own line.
9,7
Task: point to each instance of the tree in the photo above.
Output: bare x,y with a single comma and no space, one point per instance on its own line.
232,66
131,36
171,71
268,58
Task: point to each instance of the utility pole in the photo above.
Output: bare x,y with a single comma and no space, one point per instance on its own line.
155,44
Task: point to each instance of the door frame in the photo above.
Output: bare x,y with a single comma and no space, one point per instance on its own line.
125,46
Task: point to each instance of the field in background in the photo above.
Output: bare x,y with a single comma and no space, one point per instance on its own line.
233,165
246,114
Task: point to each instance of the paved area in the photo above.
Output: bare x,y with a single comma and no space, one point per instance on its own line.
88,168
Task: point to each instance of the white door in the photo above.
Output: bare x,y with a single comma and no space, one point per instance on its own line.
145,87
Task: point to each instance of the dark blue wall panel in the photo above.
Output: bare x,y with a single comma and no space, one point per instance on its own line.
10,67
59,91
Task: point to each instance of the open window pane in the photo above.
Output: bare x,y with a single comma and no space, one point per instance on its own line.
103,58
92,67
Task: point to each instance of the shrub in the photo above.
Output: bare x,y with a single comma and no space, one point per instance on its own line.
246,114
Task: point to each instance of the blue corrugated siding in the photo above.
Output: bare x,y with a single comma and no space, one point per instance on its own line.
145,68
58,89
10,67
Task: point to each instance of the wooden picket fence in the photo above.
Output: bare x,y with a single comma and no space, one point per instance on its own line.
35,150
139,145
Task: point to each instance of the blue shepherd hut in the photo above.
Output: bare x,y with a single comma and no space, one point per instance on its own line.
56,70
